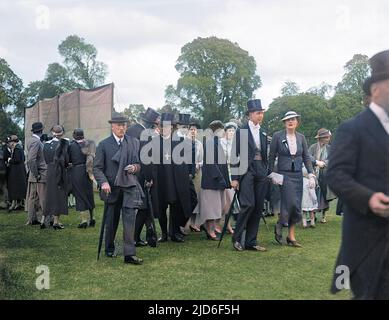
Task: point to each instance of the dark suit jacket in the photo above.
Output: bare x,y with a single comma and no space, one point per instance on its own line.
237,154
215,174
358,166
278,147
105,169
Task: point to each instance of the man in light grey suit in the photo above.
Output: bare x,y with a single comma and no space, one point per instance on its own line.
36,177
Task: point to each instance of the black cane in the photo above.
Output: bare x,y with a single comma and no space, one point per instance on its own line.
101,231
151,211
228,217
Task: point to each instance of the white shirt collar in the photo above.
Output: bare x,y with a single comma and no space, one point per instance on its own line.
381,114
254,126
117,138
35,135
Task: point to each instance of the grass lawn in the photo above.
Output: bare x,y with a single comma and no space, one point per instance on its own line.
196,269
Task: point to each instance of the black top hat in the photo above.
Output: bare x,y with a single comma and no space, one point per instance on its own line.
168,117
118,118
150,116
37,126
78,134
254,105
194,124
183,119
379,64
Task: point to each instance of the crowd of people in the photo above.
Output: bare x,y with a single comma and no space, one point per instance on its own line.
162,163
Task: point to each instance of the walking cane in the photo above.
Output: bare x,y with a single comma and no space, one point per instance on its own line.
151,212
101,232
228,217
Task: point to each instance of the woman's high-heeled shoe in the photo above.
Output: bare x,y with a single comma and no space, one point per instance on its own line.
194,229
293,243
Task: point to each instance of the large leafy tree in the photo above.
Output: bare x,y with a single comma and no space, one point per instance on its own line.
80,69
133,111
217,78
356,71
12,100
290,88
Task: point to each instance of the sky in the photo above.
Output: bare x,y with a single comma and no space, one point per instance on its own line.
305,41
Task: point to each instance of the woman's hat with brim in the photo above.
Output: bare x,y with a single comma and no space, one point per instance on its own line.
290,115
78,134
57,130
379,64
215,125
12,138
118,118
323,133
230,125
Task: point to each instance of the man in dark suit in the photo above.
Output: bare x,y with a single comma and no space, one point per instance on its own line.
148,120
249,168
115,166
358,172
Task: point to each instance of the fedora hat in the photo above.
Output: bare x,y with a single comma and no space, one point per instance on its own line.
290,115
323,133
379,64
150,116
118,118
254,105
37,126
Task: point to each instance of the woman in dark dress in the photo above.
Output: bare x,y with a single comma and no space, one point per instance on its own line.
56,156
16,174
290,147
81,152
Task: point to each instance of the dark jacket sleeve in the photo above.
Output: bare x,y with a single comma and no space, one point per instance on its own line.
273,151
306,156
342,169
99,165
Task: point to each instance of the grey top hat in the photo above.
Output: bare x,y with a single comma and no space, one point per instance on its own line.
290,115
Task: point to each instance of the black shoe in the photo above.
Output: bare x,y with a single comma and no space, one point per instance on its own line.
35,222
92,223
83,225
43,226
140,243
293,243
164,238
110,254
237,246
177,238
133,260
278,233
58,226
257,248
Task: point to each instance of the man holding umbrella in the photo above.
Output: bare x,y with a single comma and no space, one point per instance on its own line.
116,163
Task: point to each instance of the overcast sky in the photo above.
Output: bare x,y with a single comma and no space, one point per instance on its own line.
305,41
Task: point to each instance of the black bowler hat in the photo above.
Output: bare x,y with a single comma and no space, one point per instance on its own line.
118,118
37,126
184,119
254,105
379,64
78,134
168,117
150,116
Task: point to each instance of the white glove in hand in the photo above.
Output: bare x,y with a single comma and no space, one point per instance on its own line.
312,182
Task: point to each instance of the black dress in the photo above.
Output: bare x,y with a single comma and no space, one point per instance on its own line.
82,186
16,178
56,180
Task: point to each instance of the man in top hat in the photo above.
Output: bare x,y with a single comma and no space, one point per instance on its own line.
358,172
115,166
171,181
319,153
251,178
37,168
148,121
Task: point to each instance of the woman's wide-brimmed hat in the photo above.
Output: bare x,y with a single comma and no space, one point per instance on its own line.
323,133
290,115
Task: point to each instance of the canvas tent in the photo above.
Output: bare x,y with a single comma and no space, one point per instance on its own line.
89,109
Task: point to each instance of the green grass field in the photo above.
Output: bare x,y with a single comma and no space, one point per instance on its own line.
196,269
